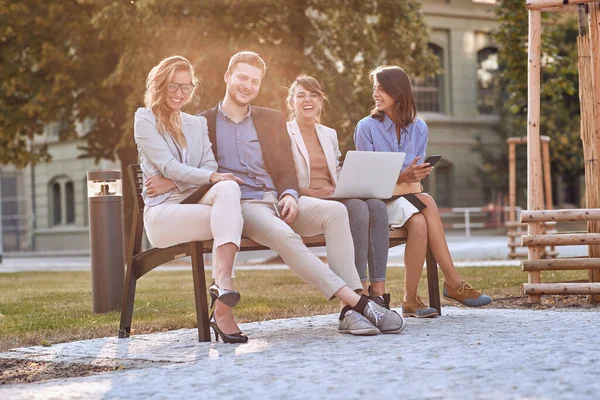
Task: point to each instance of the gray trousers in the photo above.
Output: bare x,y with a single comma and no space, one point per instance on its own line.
369,228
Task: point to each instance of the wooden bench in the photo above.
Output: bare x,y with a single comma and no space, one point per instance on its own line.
139,263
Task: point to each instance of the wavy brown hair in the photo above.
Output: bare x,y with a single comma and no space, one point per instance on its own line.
395,82
310,84
159,77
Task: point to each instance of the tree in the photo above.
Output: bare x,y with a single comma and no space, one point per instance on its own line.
52,70
73,60
337,41
559,94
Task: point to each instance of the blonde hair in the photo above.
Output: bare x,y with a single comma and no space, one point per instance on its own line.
310,84
156,91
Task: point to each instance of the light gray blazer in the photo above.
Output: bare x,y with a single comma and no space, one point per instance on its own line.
160,155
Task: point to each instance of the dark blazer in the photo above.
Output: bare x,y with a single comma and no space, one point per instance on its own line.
274,141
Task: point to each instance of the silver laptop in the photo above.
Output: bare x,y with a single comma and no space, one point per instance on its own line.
369,175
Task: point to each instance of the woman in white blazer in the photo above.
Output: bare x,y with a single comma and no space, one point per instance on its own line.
176,159
316,155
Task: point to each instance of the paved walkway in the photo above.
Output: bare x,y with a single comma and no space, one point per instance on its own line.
465,354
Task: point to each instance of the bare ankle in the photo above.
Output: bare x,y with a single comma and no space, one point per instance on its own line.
377,288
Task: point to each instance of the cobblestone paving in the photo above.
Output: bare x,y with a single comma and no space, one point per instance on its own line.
466,354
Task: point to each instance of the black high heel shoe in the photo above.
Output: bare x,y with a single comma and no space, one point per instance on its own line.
237,337
228,297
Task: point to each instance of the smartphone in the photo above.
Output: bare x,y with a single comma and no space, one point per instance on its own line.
277,210
432,160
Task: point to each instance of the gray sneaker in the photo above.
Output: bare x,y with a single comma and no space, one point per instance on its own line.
354,323
387,321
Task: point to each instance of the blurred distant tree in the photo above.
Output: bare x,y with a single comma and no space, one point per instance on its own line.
52,68
559,94
337,42
76,60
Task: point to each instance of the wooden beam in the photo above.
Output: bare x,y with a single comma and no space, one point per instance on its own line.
570,8
563,264
584,214
540,4
523,139
534,167
561,288
565,239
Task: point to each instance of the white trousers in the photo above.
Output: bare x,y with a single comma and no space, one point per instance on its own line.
315,216
217,216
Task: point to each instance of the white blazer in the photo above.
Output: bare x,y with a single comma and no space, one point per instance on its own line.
329,143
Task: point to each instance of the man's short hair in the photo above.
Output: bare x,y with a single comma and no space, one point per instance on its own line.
247,57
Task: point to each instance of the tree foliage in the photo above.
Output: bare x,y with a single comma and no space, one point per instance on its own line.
52,68
559,93
79,59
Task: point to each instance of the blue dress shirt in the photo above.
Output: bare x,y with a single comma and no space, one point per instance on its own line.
371,134
239,152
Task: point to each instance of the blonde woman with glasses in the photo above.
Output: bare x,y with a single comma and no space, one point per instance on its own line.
176,159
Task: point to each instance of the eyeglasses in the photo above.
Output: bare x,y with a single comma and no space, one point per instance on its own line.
185,87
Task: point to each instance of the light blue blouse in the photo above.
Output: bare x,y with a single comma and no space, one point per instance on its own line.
372,135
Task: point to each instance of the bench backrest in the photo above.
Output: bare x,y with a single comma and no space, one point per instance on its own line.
136,184
136,180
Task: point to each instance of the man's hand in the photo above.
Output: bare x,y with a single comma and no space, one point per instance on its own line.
217,177
157,185
289,208
414,172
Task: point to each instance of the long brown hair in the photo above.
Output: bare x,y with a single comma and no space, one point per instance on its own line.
310,84
156,92
395,82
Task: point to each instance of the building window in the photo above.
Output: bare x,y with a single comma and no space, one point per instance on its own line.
85,202
61,193
429,91
56,204
70,202
487,80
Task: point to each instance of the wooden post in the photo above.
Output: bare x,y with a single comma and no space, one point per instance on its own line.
548,191
592,120
512,195
534,165
547,176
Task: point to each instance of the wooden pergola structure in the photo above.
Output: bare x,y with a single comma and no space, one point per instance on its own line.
513,228
588,47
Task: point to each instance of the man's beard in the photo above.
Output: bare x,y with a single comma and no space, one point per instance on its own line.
238,103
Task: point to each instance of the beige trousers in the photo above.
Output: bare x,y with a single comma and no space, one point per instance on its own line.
315,216
217,216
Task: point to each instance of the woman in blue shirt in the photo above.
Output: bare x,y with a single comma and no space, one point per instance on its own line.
393,126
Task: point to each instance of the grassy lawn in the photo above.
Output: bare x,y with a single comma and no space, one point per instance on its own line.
42,308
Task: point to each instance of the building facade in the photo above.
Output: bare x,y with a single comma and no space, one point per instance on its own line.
44,208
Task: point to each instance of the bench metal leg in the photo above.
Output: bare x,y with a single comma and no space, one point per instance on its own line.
127,304
200,291
432,282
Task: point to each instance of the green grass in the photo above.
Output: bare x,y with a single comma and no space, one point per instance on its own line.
42,308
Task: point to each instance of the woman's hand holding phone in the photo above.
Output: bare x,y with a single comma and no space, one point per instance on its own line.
415,172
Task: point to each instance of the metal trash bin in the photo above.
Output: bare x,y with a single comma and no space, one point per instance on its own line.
105,197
